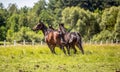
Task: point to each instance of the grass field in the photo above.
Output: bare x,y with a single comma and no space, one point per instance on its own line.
97,58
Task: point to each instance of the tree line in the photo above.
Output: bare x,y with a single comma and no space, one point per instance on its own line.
95,19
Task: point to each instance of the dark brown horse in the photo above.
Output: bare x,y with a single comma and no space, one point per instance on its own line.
72,39
52,37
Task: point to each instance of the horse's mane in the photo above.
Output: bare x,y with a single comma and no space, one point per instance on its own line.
62,28
44,26
50,27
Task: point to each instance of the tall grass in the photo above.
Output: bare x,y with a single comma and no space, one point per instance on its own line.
97,58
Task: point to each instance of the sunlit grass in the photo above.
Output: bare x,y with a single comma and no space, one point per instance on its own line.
97,58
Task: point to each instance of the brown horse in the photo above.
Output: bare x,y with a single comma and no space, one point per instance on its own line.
52,38
72,39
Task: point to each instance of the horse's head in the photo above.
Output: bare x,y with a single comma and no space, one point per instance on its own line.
39,26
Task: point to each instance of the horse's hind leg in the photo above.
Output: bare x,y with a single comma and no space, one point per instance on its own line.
51,49
79,45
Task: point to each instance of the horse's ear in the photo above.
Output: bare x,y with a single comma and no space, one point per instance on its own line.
39,21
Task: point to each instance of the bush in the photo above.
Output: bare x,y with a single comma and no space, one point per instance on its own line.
103,36
26,34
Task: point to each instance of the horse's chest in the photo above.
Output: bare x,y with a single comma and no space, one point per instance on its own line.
49,38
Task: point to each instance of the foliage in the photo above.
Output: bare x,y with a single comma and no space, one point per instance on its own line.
109,18
2,33
103,36
38,7
23,21
117,27
110,24
91,18
12,9
10,35
86,4
12,22
82,21
3,17
25,33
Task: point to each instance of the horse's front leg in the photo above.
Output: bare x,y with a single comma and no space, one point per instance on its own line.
74,49
68,49
62,47
53,49
50,47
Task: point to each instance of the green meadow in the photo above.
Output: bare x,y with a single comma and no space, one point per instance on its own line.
38,58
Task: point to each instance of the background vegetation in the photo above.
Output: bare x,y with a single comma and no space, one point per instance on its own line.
94,19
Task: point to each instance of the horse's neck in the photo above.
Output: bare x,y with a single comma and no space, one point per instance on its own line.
63,30
45,30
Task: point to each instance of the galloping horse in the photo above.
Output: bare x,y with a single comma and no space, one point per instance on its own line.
52,38
72,39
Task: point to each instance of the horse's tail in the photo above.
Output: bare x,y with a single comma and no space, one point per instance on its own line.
79,42
79,38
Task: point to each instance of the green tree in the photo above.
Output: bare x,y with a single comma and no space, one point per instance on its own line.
103,36
12,22
109,18
117,28
1,6
85,22
25,33
2,33
10,35
109,25
91,4
24,10
12,9
39,6
3,17
23,20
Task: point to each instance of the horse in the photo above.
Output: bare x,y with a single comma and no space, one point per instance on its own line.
72,39
52,37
